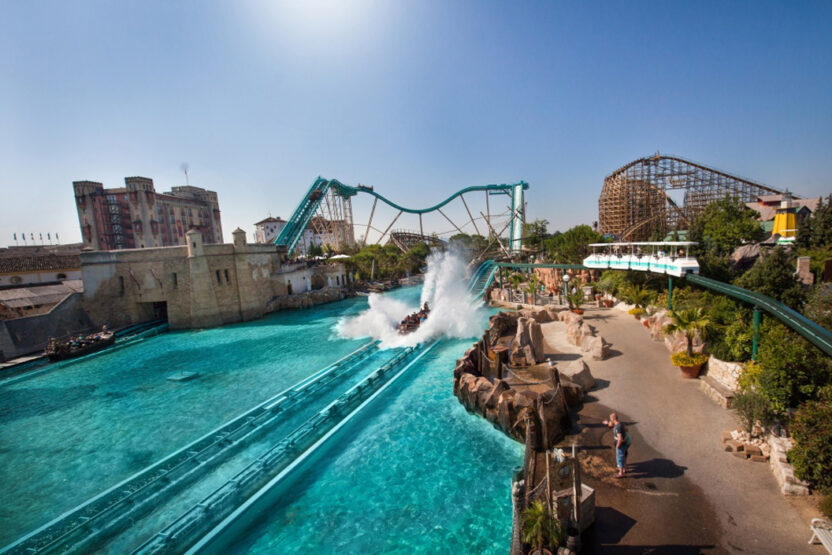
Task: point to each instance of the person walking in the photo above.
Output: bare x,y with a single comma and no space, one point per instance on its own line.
621,440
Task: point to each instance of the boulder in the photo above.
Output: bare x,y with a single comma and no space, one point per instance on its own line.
479,392
506,411
677,342
599,349
554,421
578,372
574,334
502,323
542,316
493,396
573,393
525,399
555,312
529,335
586,329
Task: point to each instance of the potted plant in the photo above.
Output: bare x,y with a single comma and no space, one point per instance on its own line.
576,299
690,322
541,529
638,296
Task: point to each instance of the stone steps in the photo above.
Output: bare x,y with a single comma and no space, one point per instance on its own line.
717,392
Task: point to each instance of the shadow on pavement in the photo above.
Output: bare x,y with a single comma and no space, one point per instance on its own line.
655,468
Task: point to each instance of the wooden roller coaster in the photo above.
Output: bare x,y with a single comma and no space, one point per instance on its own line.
635,201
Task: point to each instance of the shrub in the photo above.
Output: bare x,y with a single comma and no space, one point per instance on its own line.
751,407
792,370
825,505
636,311
811,455
683,359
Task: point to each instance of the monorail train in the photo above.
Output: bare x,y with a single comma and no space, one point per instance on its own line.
664,257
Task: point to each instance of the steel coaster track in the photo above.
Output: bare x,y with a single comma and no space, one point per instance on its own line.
297,223
196,522
81,529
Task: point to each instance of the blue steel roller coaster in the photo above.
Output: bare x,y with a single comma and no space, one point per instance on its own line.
311,202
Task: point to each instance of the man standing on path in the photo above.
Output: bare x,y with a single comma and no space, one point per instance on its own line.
622,442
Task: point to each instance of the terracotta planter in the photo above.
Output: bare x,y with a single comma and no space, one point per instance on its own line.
690,372
646,323
578,310
608,303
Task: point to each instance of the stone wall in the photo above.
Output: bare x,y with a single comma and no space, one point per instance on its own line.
197,285
23,336
726,373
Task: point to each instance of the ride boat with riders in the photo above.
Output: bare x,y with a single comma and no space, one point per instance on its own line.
62,349
412,322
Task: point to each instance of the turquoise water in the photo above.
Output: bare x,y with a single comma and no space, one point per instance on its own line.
69,433
419,474
422,475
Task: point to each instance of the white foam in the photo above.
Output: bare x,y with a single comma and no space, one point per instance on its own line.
452,313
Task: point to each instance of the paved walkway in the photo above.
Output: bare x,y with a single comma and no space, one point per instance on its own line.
686,494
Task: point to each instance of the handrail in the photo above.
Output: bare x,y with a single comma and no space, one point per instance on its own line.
811,331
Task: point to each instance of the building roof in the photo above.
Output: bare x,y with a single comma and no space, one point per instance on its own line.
271,220
22,263
30,296
768,211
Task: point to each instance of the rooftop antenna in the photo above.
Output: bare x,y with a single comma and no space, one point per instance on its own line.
184,167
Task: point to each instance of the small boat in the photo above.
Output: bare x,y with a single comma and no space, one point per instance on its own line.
412,322
79,346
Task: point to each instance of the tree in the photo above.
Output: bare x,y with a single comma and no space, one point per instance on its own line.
540,528
534,234
637,295
724,225
689,321
773,275
819,305
571,247
816,230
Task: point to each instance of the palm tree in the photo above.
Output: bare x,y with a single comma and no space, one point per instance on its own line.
531,286
688,321
515,280
540,528
638,296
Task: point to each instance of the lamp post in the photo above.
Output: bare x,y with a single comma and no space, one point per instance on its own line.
565,283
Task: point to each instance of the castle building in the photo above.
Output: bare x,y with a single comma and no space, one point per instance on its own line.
201,285
266,231
136,216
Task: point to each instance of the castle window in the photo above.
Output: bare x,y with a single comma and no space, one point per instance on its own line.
121,285
219,281
227,279
175,281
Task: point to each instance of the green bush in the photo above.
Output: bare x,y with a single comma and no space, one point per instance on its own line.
791,370
825,505
751,407
773,275
683,359
811,455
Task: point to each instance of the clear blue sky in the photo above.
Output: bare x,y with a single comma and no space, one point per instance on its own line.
416,98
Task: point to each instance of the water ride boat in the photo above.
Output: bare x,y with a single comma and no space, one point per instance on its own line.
59,349
412,322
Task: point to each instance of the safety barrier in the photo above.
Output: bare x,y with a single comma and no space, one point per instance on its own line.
197,521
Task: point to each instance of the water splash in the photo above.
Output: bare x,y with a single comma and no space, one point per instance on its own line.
452,313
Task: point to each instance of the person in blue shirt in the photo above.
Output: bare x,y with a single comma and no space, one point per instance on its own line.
621,440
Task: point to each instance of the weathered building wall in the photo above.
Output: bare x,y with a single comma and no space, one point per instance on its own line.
199,285
23,336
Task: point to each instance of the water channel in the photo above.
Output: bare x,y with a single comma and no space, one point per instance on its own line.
419,472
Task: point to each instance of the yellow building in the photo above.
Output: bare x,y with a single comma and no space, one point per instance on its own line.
785,220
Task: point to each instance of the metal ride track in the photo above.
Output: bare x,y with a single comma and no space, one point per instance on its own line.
298,222
205,523
483,277
85,527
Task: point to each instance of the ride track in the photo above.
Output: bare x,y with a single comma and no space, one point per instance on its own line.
820,337
311,202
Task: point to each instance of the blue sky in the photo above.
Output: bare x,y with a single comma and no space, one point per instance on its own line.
416,98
